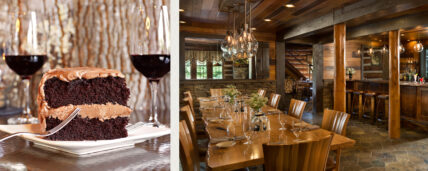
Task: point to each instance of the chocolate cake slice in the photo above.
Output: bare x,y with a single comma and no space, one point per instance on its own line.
101,94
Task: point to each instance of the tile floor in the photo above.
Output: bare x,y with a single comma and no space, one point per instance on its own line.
375,151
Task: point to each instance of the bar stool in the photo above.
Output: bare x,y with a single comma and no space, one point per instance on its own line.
358,100
369,97
385,99
349,100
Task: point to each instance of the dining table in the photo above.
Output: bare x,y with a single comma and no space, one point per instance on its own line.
153,154
243,155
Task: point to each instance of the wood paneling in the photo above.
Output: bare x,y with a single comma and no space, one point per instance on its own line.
394,84
354,62
408,100
339,77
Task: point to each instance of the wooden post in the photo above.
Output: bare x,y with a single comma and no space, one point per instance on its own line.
317,77
280,70
394,84
182,70
339,76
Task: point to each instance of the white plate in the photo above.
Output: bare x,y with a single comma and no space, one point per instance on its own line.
87,148
225,144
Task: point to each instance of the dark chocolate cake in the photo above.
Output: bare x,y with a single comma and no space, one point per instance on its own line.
101,94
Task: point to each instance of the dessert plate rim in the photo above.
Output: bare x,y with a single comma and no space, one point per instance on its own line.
82,148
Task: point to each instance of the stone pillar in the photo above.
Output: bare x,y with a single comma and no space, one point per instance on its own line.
317,77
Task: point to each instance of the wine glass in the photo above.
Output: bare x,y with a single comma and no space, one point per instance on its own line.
282,122
247,129
25,54
150,47
296,130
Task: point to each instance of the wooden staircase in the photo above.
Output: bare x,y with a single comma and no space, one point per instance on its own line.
299,58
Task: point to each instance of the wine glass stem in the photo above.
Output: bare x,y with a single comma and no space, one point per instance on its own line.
27,96
154,92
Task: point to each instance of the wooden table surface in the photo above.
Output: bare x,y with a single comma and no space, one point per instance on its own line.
152,154
242,155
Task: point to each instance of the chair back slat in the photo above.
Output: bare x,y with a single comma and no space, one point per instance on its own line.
216,92
189,100
261,92
274,100
187,114
335,121
306,156
296,108
188,156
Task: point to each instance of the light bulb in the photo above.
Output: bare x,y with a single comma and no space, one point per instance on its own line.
371,51
401,48
418,47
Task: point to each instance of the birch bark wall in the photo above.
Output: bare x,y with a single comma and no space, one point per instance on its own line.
95,33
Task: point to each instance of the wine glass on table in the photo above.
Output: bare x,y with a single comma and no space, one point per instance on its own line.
25,54
282,122
150,48
297,129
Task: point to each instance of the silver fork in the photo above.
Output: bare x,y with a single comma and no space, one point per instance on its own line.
48,132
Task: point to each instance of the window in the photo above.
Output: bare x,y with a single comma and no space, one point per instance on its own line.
201,70
188,69
217,70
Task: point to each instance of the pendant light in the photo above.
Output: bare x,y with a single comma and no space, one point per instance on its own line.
419,47
401,48
385,48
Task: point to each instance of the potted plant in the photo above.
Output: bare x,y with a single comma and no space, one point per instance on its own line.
349,72
259,119
256,102
231,92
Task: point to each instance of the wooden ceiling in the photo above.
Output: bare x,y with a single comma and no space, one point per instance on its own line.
207,13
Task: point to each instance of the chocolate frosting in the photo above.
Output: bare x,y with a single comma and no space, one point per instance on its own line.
101,111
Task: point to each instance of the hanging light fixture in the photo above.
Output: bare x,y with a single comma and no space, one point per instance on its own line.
401,48
418,47
240,46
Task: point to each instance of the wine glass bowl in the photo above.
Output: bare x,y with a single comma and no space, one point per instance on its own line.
282,122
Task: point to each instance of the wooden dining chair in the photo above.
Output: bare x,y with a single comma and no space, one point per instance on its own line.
188,116
305,156
189,100
335,121
296,108
261,92
274,100
216,92
188,155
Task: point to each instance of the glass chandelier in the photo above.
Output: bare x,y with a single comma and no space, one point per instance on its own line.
243,46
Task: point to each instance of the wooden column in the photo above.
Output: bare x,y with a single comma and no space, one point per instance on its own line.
280,71
339,76
209,69
394,84
317,77
182,63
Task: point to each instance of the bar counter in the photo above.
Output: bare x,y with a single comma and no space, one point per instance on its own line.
413,98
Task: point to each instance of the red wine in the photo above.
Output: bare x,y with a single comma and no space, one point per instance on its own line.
25,65
154,67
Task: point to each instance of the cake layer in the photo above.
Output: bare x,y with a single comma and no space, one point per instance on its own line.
89,129
85,91
98,111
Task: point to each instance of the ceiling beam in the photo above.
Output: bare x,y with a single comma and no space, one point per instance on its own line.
402,22
260,36
364,8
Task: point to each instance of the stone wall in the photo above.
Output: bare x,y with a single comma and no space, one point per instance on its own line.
201,88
